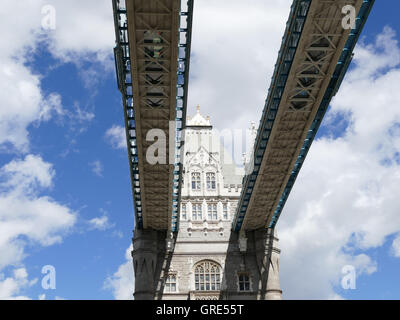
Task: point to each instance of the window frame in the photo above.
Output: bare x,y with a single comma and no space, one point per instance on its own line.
197,215
172,279
243,282
196,181
184,211
212,215
211,181
207,276
225,213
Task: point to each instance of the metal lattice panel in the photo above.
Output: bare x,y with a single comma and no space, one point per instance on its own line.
152,61
313,47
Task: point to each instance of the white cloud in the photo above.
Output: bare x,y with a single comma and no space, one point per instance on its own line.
80,114
233,55
22,101
116,137
345,198
27,218
396,247
97,168
83,29
11,287
122,282
101,223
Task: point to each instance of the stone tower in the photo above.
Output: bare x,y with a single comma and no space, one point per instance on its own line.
206,260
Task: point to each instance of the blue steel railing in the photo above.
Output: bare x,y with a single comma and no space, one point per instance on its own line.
287,52
336,81
184,44
293,32
124,79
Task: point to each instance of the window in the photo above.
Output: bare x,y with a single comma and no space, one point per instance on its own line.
196,181
210,177
170,283
196,211
212,211
225,211
207,276
244,282
183,212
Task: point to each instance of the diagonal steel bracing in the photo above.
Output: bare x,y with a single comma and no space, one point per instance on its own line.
315,54
152,61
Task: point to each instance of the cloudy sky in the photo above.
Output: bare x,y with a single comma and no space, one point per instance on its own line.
65,198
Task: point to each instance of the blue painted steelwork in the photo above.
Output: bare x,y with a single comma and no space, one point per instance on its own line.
336,81
124,79
185,41
282,69
287,52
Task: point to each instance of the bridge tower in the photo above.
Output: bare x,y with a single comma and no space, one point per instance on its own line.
203,229
204,259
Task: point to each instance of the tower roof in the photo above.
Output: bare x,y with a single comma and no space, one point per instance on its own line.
198,120
210,142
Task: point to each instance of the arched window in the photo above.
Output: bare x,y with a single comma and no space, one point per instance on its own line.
196,181
210,177
207,276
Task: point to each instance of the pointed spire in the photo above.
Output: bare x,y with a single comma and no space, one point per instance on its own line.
198,119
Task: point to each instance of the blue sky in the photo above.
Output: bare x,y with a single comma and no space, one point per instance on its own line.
62,156
85,257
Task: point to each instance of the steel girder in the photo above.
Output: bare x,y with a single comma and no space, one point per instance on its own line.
314,56
152,61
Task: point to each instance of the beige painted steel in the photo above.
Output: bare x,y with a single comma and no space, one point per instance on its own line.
319,49
153,34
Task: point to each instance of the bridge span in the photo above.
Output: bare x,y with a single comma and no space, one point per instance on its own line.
152,54
316,51
227,245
